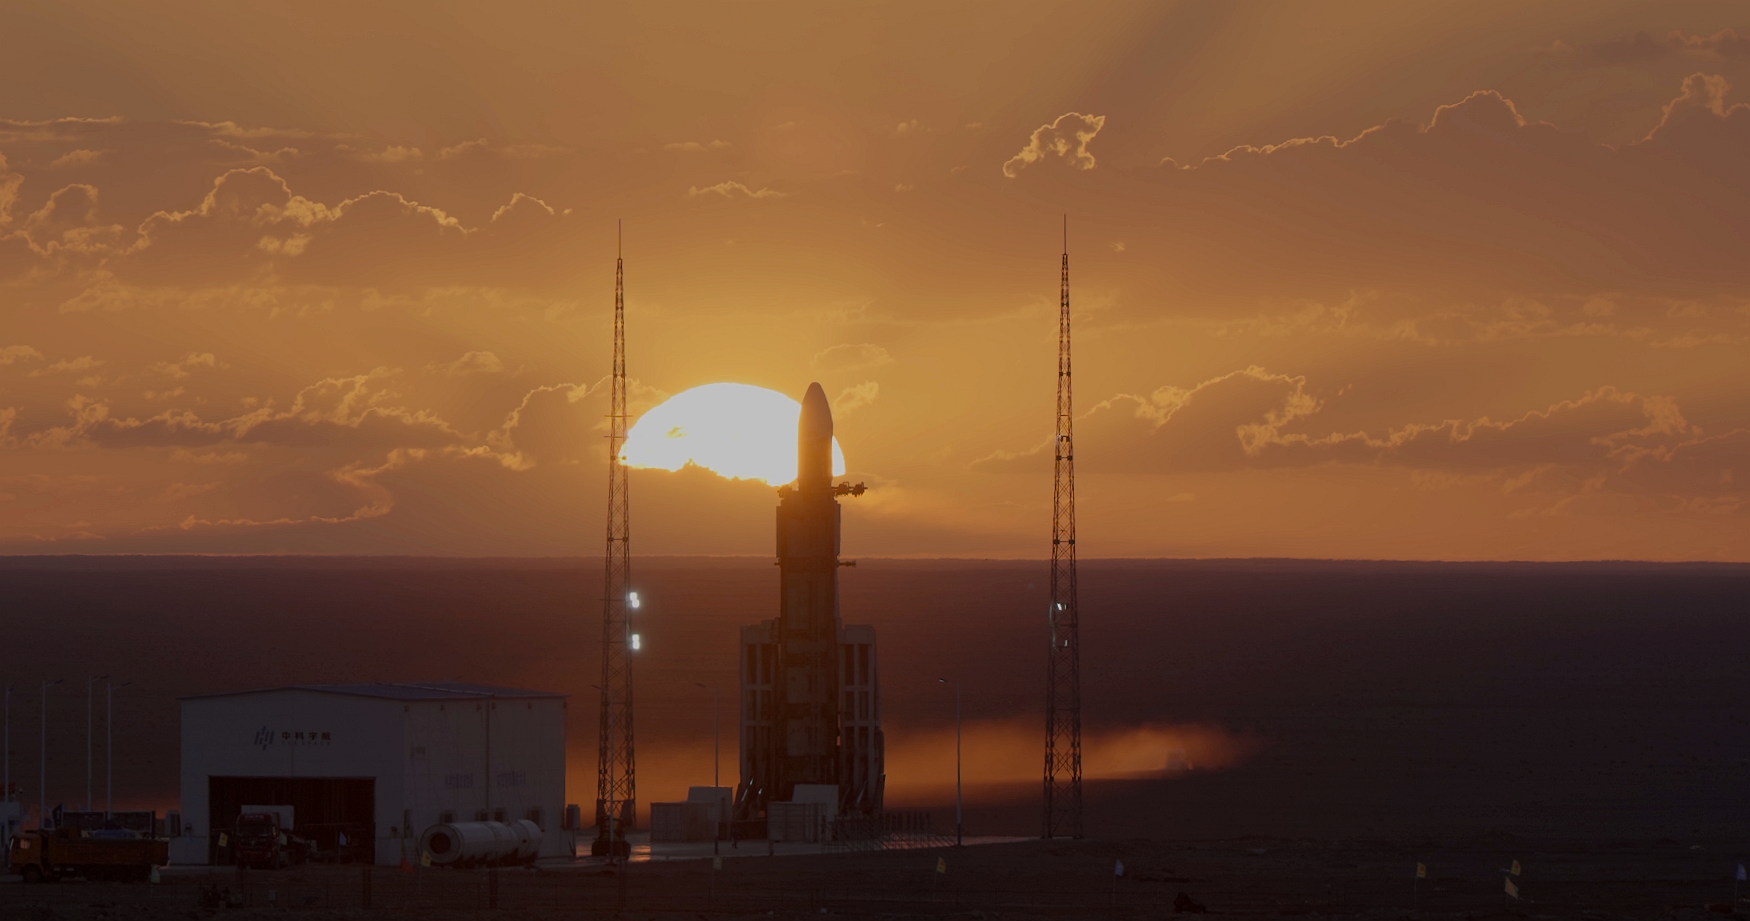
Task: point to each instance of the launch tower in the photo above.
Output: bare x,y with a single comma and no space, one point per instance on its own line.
1063,675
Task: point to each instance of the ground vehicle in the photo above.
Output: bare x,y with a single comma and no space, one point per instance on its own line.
261,841
41,856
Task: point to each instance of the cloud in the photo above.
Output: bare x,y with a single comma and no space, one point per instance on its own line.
351,412
14,353
1477,202
469,363
844,359
696,147
1642,47
180,370
479,149
69,365
1066,139
79,157
391,154
855,397
731,188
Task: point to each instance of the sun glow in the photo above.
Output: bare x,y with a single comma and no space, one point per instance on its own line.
737,431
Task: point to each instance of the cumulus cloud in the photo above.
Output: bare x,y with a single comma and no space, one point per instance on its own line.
1065,139
855,397
480,149
391,154
1641,47
180,370
470,363
356,412
78,157
696,147
69,366
847,358
730,189
14,353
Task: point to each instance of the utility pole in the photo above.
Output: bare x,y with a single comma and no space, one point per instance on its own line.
109,746
616,767
42,793
1063,677
959,827
89,681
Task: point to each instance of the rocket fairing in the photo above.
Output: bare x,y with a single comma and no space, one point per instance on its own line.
814,441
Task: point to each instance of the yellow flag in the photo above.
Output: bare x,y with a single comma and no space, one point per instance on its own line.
1512,890
941,865
1515,870
224,840
1421,871
425,858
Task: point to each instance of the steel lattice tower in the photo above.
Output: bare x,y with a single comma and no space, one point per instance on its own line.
616,768
1063,678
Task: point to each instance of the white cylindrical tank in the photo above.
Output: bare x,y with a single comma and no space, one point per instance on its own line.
469,844
528,836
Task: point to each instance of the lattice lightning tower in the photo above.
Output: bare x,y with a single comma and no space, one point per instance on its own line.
616,769
1063,680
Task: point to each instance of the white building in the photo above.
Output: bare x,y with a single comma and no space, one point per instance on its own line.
377,763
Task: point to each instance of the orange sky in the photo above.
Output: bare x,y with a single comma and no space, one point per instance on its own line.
1447,280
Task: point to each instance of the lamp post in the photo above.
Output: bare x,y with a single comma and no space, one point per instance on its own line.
89,681
109,746
716,763
959,828
42,778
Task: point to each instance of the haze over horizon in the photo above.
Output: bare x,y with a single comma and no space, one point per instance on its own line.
1455,281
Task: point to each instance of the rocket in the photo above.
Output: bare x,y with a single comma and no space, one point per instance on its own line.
806,734
810,701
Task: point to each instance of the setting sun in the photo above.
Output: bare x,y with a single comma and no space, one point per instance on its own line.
737,431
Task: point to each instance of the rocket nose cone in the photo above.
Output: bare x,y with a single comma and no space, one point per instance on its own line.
816,413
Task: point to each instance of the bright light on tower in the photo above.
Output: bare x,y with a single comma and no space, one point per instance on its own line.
632,598
636,645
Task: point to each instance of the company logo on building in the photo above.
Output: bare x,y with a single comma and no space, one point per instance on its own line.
265,737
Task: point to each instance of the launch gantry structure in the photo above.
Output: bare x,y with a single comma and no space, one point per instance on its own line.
616,801
1063,678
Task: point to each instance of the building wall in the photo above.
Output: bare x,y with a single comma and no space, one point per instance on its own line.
286,733
446,772
428,758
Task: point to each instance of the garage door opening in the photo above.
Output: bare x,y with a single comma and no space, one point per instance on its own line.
326,810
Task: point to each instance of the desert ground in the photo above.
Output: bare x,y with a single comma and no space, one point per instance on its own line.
1345,721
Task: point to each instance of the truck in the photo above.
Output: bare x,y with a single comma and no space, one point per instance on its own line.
45,856
261,840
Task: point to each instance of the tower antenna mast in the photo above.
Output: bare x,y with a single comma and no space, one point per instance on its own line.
1063,678
616,769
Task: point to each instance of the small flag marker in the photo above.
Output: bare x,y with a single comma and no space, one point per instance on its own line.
941,865
224,839
1421,871
425,858
1515,870
1512,890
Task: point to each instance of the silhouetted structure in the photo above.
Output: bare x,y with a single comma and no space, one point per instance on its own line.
1063,678
616,768
811,693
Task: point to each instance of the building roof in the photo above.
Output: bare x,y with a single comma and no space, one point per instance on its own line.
426,690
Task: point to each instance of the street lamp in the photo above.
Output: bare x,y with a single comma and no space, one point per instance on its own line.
42,777
109,746
959,829
89,681
716,764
